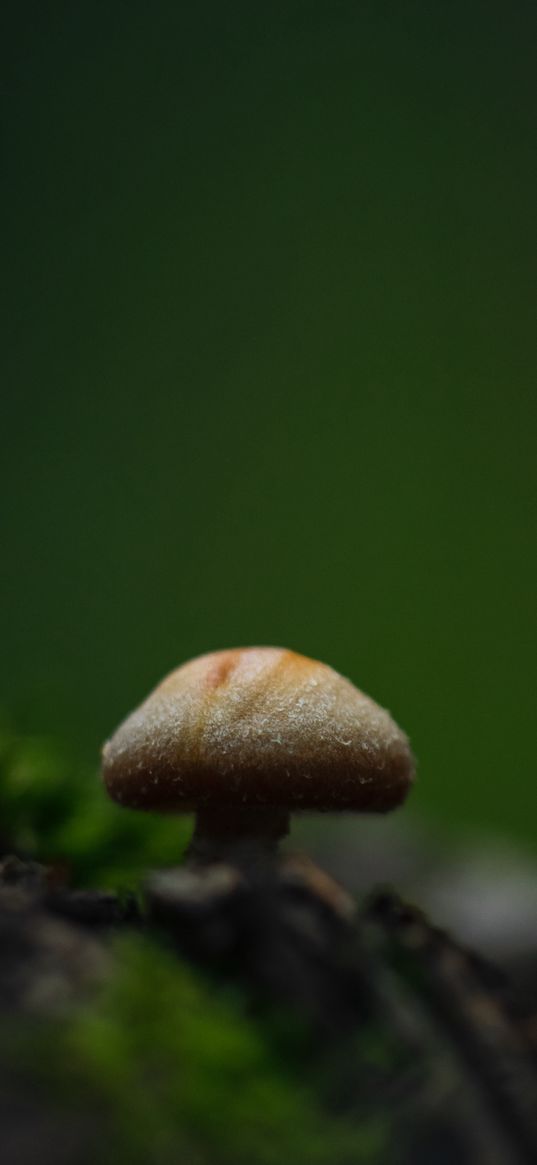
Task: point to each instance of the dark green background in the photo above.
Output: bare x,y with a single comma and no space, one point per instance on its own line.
270,363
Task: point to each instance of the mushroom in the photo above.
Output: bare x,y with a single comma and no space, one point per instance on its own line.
245,736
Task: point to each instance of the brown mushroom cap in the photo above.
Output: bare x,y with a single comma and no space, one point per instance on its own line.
257,726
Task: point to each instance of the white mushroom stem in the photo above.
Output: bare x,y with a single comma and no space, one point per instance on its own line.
240,838
220,834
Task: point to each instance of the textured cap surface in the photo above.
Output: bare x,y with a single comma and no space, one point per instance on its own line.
258,726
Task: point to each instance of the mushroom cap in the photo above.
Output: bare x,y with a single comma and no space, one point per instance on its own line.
258,726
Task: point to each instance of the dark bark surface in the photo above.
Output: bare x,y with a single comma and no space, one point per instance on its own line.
463,1086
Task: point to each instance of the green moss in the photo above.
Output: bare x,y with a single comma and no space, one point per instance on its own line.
175,1072
57,812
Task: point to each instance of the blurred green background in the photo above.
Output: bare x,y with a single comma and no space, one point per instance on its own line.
269,364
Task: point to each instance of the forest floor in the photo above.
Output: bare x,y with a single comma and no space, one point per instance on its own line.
392,1015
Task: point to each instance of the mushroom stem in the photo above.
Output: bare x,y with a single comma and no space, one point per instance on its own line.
224,832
